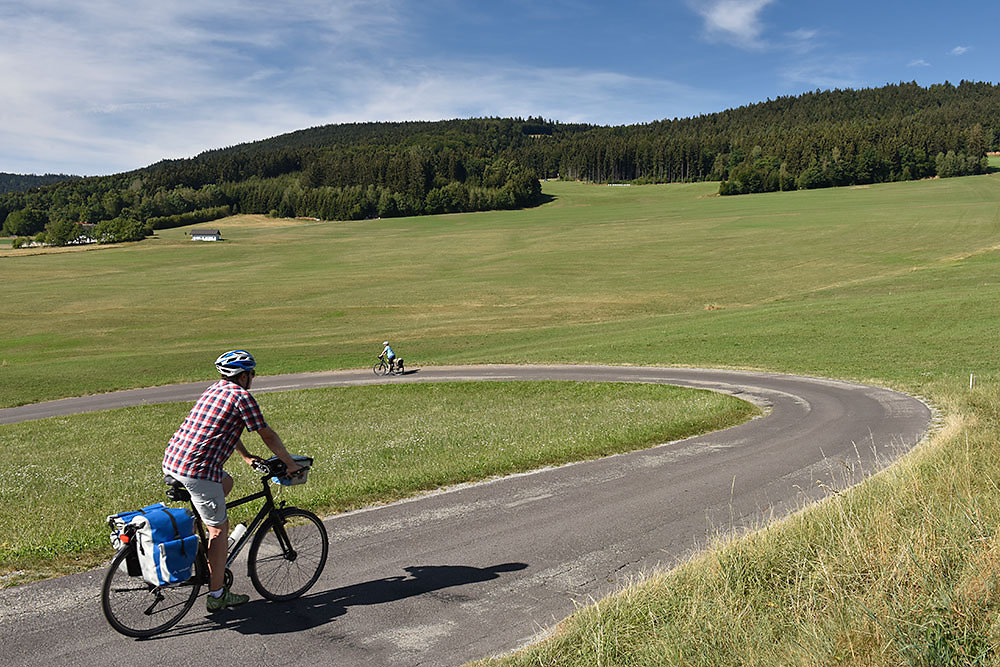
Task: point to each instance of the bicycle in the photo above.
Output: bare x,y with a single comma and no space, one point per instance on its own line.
381,367
288,550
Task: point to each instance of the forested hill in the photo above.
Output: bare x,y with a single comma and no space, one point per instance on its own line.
497,132
366,170
819,139
23,182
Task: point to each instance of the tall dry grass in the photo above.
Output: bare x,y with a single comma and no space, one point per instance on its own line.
902,570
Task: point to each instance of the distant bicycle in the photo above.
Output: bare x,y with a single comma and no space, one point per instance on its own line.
382,368
288,549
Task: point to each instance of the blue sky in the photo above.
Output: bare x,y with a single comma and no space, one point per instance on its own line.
104,86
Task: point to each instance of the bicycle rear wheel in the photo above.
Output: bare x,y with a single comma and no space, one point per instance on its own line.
138,609
288,555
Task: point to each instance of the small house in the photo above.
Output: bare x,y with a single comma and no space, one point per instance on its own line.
86,235
206,235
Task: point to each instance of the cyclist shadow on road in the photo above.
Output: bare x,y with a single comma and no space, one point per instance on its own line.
260,617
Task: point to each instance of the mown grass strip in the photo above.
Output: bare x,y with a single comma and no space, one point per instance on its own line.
62,476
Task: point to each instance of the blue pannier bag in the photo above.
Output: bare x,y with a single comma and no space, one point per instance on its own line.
166,543
117,524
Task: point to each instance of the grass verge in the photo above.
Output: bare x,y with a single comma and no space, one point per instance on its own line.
903,569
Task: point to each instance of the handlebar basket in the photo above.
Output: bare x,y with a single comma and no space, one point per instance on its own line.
299,478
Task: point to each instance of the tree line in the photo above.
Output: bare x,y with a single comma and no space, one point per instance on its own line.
366,170
22,182
327,184
819,139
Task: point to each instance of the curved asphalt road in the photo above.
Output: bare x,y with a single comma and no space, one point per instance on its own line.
483,569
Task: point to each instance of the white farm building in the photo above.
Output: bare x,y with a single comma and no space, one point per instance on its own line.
206,235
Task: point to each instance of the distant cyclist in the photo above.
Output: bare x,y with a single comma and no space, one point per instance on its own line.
388,355
203,443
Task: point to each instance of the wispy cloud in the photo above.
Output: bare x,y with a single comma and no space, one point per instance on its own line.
919,62
803,35
802,40
841,72
444,90
126,88
736,20
960,50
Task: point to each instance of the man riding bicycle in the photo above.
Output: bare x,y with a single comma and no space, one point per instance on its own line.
207,438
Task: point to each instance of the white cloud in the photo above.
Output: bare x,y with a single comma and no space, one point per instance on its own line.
960,50
842,72
919,62
737,20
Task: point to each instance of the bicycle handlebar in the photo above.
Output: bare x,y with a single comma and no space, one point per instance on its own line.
272,467
261,466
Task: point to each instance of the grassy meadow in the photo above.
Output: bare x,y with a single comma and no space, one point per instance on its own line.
819,281
894,284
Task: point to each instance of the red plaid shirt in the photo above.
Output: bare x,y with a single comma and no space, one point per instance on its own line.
208,436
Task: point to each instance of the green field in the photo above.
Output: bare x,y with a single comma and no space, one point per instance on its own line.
895,284
826,282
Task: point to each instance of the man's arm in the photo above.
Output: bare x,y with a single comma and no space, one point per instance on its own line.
273,442
242,451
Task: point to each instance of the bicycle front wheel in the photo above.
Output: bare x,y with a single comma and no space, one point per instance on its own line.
138,609
288,554
380,368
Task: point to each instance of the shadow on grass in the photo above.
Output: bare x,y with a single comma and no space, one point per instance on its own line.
260,617
540,200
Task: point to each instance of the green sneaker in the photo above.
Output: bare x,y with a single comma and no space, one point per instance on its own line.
227,599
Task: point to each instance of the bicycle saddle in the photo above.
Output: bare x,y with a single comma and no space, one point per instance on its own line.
175,490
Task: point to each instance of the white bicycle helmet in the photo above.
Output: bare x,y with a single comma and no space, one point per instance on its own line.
234,362
385,342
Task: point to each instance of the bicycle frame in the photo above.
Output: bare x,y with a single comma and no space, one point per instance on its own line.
266,511
382,367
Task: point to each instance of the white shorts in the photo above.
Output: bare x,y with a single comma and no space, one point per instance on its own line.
207,497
